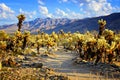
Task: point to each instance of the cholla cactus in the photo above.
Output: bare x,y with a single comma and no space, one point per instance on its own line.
46,36
108,32
18,34
26,33
102,42
50,42
102,24
3,45
109,35
21,18
40,42
54,36
61,31
27,51
3,35
91,39
25,39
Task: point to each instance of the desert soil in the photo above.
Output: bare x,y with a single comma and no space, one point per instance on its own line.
62,62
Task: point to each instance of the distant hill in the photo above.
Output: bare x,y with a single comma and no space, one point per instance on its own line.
48,24
113,23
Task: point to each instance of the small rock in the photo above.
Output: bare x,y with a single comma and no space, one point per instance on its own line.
44,55
43,70
37,65
26,58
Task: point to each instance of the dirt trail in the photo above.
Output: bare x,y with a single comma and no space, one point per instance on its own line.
62,63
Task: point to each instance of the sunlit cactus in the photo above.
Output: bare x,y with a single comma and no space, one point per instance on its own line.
102,24
18,34
102,42
109,35
39,44
46,36
50,43
54,36
25,39
61,31
21,18
3,35
3,45
26,33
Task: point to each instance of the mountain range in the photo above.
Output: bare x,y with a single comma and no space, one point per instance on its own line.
48,24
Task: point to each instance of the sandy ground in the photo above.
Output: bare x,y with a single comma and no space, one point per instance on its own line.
62,62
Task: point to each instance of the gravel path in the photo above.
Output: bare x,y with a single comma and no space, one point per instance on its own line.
63,64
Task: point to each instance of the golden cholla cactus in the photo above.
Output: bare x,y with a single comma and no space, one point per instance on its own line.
102,22
25,39
26,33
108,32
102,42
3,45
21,18
3,35
18,34
40,42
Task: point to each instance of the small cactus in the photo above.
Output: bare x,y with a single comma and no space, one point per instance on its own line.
102,24
21,18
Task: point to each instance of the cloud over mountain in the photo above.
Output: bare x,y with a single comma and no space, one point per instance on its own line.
51,24
73,9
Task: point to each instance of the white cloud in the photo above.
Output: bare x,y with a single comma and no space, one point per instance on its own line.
81,4
29,15
98,8
75,15
44,11
62,1
116,9
87,8
101,1
67,9
95,6
74,1
88,0
41,2
6,12
67,14
5,8
61,13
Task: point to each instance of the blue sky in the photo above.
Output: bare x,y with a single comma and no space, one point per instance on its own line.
73,9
